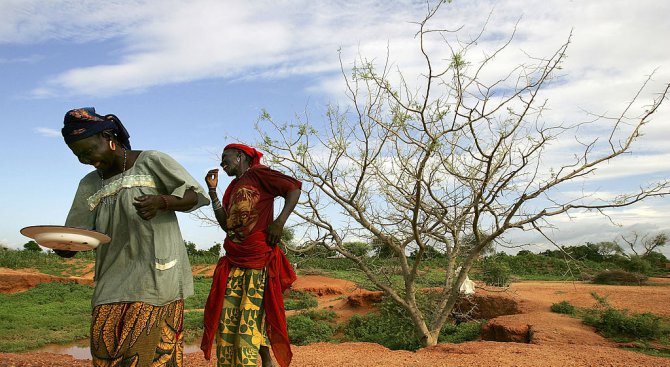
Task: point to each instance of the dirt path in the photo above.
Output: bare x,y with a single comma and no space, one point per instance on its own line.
555,340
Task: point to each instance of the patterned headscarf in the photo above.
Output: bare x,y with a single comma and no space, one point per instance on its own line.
253,153
81,123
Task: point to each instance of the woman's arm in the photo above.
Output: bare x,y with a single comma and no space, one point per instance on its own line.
276,229
147,206
219,212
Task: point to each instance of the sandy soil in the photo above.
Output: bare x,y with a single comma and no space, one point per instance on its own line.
549,339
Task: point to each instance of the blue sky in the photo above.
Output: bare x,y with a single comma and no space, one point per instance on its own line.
187,77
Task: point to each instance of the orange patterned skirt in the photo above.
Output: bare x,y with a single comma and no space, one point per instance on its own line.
137,334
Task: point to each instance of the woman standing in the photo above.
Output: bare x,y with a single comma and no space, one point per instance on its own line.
245,307
143,275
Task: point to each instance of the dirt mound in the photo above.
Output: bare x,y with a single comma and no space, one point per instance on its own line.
364,298
322,286
14,281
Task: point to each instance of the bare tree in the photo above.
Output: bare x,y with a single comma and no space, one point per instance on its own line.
447,161
646,244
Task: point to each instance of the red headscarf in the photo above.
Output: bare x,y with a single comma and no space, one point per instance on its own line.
253,153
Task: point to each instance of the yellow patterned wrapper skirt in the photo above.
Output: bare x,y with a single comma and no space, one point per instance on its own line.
242,326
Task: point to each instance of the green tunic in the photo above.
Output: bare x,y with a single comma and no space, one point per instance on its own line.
146,260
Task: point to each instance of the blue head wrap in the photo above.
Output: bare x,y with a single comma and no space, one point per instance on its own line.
81,123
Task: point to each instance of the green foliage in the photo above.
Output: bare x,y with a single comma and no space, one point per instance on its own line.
656,259
319,252
393,328
619,277
193,326
360,249
429,253
381,250
298,300
32,246
303,329
461,333
45,262
496,272
637,264
201,287
563,307
209,256
619,325
48,313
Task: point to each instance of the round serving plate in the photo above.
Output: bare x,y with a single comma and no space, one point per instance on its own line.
65,238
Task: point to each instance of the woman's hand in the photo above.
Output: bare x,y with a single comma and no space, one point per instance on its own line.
212,178
147,206
274,232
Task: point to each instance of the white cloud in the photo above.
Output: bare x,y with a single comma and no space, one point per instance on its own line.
47,132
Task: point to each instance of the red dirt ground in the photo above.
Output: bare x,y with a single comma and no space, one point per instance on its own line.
555,340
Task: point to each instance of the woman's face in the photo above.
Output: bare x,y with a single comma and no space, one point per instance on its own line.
230,162
93,150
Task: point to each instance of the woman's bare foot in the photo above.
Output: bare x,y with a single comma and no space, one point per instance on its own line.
265,356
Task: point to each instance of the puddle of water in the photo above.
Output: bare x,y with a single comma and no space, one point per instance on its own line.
78,351
81,350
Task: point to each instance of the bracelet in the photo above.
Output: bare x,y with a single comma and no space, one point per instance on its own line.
212,189
216,204
164,202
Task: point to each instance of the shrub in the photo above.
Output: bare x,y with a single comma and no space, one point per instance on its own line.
619,324
392,327
619,277
637,264
303,330
298,300
496,272
461,333
563,307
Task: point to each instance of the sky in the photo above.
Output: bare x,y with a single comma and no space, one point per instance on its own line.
188,77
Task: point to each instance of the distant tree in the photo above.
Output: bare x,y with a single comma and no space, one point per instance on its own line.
190,248
215,250
32,246
644,245
455,149
609,248
287,236
360,249
381,250
429,252
524,253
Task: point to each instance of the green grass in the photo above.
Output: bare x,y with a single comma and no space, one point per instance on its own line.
201,286
47,263
563,307
50,313
650,351
193,326
298,300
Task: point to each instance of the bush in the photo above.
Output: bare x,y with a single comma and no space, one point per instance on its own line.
656,259
637,264
619,277
496,272
619,324
392,327
461,333
303,329
563,307
298,300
